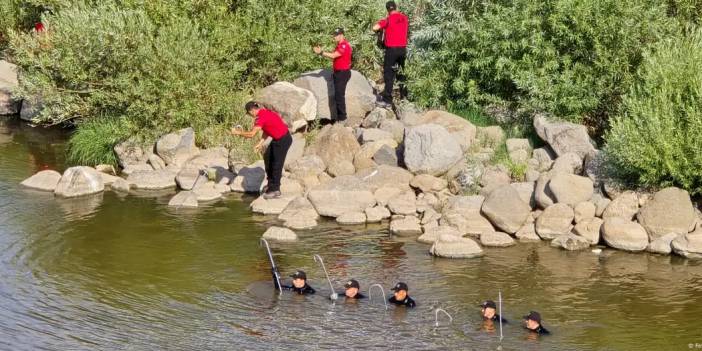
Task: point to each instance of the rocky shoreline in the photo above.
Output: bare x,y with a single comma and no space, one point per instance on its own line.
426,174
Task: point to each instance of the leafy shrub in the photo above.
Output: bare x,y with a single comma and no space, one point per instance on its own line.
657,140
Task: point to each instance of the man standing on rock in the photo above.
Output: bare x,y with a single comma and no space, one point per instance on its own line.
274,126
341,57
396,27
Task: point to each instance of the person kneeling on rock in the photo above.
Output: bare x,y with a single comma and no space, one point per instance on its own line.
299,284
401,296
274,126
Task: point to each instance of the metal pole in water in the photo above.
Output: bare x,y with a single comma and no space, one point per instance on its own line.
274,269
319,260
436,316
382,291
499,299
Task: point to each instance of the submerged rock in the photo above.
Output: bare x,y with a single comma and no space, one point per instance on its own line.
279,234
184,199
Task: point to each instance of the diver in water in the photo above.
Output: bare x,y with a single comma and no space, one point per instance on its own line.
532,322
488,310
352,290
299,284
401,296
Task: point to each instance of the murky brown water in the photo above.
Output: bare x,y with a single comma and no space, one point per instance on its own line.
128,273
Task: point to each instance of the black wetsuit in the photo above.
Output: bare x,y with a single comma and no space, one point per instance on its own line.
356,297
540,330
496,318
408,302
305,290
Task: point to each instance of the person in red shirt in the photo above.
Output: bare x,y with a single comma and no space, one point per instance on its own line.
274,126
395,27
342,71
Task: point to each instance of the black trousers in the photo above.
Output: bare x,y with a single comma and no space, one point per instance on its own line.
393,65
274,159
341,79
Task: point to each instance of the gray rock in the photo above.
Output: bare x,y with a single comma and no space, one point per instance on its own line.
670,211
601,204
31,108
156,162
688,245
384,194
132,152
335,144
542,193
568,163
624,206
187,178
460,129
377,214
376,117
296,151
79,181
570,242
403,204
496,239
545,156
217,157
589,229
431,235
8,82
296,105
359,94
107,179
183,199
450,246
408,113
570,189
136,167
375,134
279,234
44,180
464,177
526,192
121,185
178,147
622,234
207,192
271,206
463,213
386,155
352,218
249,179
341,168
430,149
527,233
394,127
107,169
584,210
152,180
385,177
428,183
662,245
406,226
341,195
564,137
554,221
492,179
505,209
307,166
300,209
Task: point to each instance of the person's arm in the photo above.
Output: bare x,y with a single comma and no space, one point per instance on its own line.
331,55
380,25
249,134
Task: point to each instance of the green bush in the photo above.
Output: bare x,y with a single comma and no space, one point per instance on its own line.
571,58
657,141
151,67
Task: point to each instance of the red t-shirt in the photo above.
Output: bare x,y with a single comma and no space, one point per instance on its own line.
271,123
343,62
396,26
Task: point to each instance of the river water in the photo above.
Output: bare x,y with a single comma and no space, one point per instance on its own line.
114,272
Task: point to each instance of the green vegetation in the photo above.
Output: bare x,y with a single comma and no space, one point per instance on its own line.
657,141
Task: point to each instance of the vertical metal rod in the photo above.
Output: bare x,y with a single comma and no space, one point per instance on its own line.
319,260
274,269
382,291
436,316
499,299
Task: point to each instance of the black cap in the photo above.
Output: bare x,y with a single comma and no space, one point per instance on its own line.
338,31
488,304
352,283
400,286
534,316
299,275
390,6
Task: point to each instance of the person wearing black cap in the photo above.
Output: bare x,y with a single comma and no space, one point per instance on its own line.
299,284
341,57
532,322
351,290
401,296
489,311
396,28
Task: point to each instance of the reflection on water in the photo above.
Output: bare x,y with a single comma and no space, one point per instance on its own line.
115,272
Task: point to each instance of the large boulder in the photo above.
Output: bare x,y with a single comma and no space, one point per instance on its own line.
132,152
584,210
569,162
31,108
377,214
395,127
405,226
545,157
505,209
307,166
376,117
623,234
670,211
431,235
178,147
623,206
526,192
564,137
463,213
570,189
341,195
296,105
430,149
385,177
496,239
217,157
152,180
279,234
208,192
464,177
688,245
352,218
570,242
79,181
556,220
271,206
403,204
386,155
299,208
336,146
462,131
428,183
375,134
44,180
542,192
662,245
451,246
8,82
296,151
249,179
359,94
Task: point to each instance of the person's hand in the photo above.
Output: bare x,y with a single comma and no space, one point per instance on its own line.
235,131
317,50
258,148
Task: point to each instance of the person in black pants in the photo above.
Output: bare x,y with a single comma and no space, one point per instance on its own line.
396,28
342,71
274,126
